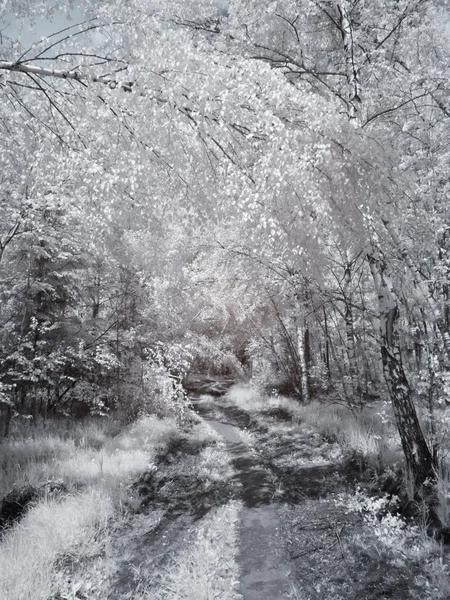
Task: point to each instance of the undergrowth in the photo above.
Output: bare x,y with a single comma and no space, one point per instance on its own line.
83,455
369,438
96,470
378,550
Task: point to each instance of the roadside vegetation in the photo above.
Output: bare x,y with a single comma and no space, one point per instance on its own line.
151,510
69,492
91,471
207,569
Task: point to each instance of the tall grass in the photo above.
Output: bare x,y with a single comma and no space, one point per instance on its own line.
96,476
371,434
82,456
49,531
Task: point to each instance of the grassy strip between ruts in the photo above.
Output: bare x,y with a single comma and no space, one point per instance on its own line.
205,569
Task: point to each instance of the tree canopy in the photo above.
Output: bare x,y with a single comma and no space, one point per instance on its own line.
236,187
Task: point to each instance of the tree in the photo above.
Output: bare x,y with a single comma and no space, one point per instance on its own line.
344,58
273,121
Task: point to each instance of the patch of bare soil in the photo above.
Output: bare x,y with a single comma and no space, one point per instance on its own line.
279,413
300,461
297,484
183,493
218,409
264,564
202,384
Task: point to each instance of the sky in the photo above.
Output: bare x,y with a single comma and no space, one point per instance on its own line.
28,33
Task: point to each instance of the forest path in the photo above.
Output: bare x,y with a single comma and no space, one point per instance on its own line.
303,534
263,564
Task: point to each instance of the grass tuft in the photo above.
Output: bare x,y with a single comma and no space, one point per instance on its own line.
206,569
50,530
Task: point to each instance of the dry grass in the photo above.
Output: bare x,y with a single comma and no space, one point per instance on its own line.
97,480
206,569
253,400
79,458
49,531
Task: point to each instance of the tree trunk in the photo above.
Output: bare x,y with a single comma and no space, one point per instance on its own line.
5,421
327,345
353,85
419,460
301,351
350,341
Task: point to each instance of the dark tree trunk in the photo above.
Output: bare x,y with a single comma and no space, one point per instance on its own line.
5,421
350,344
419,460
327,345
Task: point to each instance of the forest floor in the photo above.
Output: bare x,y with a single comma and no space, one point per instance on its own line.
253,498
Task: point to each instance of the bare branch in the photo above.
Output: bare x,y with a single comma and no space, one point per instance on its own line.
291,24
394,108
